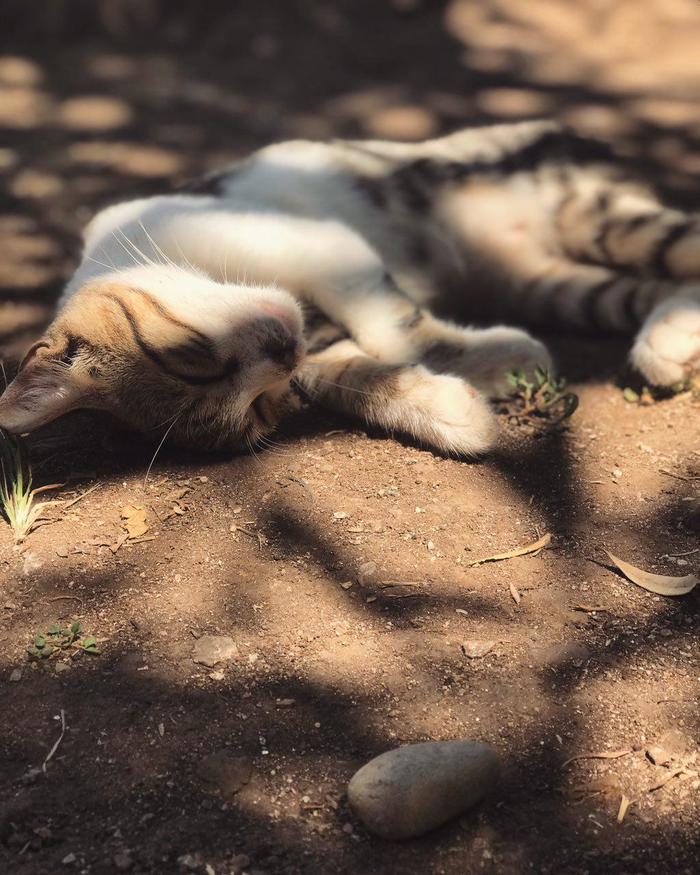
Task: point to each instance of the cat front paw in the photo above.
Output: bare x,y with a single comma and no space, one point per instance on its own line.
447,413
667,348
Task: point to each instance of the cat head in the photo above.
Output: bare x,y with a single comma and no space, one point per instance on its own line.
160,347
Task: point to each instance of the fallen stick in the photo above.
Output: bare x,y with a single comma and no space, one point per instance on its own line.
57,742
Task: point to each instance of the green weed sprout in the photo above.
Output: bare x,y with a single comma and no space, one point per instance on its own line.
543,395
57,640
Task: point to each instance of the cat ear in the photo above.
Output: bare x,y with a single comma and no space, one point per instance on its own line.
40,393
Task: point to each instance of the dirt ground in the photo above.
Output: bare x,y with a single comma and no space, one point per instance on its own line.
339,561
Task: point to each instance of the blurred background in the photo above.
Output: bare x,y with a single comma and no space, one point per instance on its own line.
105,99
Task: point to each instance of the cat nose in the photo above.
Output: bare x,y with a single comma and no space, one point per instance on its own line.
278,343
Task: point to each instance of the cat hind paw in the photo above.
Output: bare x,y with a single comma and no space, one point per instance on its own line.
667,349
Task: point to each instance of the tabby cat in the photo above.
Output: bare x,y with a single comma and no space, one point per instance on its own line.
329,268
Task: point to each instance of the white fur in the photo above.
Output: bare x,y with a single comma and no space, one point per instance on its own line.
442,411
667,348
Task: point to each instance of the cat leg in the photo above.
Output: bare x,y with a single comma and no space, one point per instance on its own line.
556,292
358,294
585,296
440,410
483,356
622,227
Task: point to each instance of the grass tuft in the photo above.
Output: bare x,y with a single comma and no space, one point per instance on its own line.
17,496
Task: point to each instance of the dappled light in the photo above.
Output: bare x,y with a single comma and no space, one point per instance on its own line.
342,563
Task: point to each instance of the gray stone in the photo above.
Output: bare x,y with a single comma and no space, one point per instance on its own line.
213,649
224,773
410,790
122,861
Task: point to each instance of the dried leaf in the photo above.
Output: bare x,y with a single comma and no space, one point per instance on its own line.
518,551
603,755
661,584
515,595
622,810
134,521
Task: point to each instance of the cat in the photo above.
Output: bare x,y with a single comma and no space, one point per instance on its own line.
337,268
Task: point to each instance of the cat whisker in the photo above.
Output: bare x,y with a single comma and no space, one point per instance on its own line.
345,388
186,260
252,450
101,263
129,252
156,248
272,447
158,448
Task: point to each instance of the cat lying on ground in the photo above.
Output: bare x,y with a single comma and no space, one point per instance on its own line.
330,267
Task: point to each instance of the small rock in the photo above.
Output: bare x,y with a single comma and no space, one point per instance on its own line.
658,755
285,703
225,773
346,584
212,649
339,515
410,790
238,863
60,667
366,572
62,552
192,862
672,745
16,675
476,648
122,861
31,563
69,859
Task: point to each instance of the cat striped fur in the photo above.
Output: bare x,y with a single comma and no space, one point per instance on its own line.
350,270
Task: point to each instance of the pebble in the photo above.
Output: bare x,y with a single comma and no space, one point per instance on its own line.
366,572
213,649
31,562
225,773
239,863
122,861
476,648
16,675
671,746
408,791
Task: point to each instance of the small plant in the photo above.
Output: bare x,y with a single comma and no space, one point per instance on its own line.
57,640
648,395
17,497
542,396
